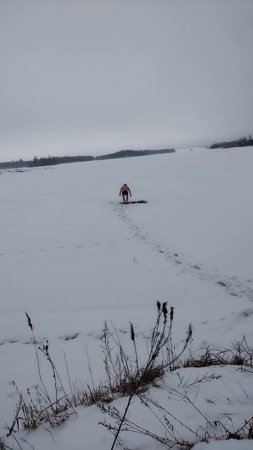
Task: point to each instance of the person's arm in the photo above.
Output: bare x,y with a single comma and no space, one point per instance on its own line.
120,192
129,192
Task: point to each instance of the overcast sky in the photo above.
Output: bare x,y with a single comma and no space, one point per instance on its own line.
94,76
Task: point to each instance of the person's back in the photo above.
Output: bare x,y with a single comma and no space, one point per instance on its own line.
124,191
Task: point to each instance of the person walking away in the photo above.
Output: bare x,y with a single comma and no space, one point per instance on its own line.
124,191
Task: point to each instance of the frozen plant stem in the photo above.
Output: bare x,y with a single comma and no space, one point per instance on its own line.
37,356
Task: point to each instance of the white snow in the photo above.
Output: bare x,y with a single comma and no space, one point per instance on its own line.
72,257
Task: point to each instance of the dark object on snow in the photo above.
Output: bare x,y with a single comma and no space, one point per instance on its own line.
133,202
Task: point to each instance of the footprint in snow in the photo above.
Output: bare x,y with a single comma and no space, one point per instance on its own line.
9,341
222,283
32,341
246,313
69,337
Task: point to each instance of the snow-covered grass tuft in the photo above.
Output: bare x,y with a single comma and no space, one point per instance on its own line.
131,376
125,375
240,354
175,430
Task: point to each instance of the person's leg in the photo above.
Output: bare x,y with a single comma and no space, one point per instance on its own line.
124,197
127,197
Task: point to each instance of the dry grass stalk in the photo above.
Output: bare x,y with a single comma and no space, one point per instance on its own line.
127,377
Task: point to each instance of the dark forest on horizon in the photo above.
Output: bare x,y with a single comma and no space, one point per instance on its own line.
54,160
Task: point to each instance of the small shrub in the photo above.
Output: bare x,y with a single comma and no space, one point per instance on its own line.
240,354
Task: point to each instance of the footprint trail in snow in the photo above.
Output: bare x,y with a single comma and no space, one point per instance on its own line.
233,285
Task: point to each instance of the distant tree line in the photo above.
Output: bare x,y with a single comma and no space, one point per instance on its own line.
242,142
131,153
49,161
53,160
14,164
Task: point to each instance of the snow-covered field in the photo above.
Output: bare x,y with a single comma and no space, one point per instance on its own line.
73,257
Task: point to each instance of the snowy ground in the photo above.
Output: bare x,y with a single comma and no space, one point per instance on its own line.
72,257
